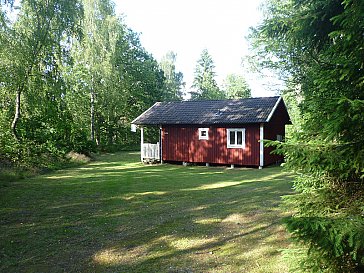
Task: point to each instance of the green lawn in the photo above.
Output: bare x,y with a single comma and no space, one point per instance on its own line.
116,215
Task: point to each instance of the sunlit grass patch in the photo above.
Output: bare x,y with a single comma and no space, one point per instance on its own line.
117,215
215,186
207,221
59,176
193,242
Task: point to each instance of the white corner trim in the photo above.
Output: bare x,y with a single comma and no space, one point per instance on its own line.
274,109
141,143
161,143
144,112
261,145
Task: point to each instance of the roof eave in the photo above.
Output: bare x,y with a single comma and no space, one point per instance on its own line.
202,123
274,109
134,121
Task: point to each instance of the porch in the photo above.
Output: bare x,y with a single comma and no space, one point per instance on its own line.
150,152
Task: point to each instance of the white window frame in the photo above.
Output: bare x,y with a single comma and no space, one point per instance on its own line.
240,146
200,136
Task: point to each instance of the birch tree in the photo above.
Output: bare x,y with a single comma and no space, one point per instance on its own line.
236,87
173,80
32,47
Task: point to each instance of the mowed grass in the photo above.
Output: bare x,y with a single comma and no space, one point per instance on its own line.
117,215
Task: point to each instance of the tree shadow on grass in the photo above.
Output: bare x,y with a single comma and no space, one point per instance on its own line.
123,217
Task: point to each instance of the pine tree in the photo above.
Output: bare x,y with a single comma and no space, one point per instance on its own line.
204,83
317,47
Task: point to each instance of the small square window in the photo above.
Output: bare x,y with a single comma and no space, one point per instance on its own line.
279,138
203,133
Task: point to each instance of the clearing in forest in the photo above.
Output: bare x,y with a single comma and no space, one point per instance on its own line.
116,215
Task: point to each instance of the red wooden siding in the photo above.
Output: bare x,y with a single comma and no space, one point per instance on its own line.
276,126
181,143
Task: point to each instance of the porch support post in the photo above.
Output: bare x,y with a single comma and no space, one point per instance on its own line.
261,146
141,143
161,144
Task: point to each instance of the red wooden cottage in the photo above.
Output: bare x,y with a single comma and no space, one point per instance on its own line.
218,131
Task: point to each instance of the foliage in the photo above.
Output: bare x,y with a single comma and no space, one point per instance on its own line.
174,84
72,77
204,83
236,87
317,48
114,78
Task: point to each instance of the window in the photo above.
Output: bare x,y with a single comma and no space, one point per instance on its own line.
236,138
279,138
203,133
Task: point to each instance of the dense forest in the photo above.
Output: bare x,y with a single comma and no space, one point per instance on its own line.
316,46
73,75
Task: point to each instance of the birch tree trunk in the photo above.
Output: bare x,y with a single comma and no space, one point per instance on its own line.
16,115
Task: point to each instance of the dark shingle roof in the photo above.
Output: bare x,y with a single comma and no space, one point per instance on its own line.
251,110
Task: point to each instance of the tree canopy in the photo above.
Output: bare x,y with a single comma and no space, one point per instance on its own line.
72,77
236,87
317,47
204,84
174,85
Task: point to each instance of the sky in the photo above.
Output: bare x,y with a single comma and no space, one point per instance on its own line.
189,26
